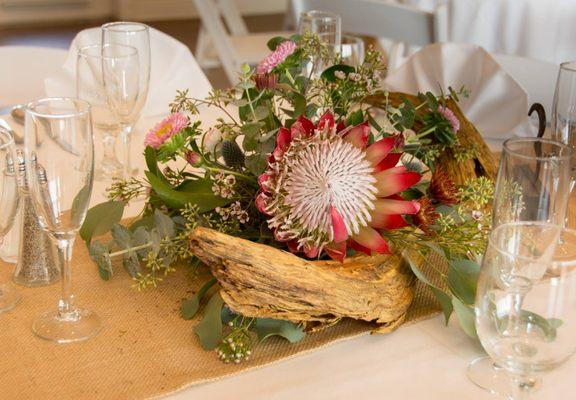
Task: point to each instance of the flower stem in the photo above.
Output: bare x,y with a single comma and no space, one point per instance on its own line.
129,249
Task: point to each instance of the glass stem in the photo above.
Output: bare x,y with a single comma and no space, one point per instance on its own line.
66,307
109,142
521,387
126,138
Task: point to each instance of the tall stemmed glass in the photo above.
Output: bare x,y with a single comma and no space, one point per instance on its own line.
58,132
526,300
91,64
327,26
352,50
564,108
136,35
532,186
9,297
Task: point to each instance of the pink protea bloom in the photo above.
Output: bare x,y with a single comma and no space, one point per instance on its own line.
283,50
450,117
164,130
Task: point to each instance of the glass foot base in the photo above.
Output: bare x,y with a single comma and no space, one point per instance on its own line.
486,374
9,297
73,327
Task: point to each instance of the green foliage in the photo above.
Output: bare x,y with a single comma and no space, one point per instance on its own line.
266,328
275,41
191,306
465,316
209,330
100,218
462,280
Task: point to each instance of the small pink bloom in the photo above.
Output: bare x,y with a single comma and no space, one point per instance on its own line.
283,50
450,117
164,130
193,158
266,81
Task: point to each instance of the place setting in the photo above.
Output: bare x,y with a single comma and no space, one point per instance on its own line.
334,214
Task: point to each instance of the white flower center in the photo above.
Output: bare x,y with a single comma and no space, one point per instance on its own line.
330,172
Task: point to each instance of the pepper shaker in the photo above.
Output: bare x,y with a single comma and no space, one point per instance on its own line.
36,264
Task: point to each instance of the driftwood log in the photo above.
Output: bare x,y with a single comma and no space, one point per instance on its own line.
261,281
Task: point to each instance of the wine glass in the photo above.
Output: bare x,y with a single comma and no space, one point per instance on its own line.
564,108
532,185
58,132
90,87
327,26
526,300
136,35
352,50
9,297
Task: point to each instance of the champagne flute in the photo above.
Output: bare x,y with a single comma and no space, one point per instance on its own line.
352,50
136,35
58,132
90,87
526,300
9,297
532,185
328,27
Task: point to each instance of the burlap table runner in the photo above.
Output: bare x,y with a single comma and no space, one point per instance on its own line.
144,350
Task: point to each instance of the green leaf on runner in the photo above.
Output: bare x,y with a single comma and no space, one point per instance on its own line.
191,306
99,253
100,218
465,316
463,279
209,330
268,327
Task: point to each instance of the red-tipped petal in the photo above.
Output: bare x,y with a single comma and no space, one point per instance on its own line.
371,239
261,203
326,121
388,221
338,226
377,151
341,126
358,247
393,206
391,183
358,135
293,246
336,251
311,252
307,125
262,179
389,161
283,139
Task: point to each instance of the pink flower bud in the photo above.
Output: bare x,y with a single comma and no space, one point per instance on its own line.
193,158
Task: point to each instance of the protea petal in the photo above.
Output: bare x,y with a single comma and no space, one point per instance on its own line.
326,121
293,246
262,179
393,206
306,124
358,135
391,183
303,127
388,162
261,203
370,238
377,151
388,221
358,247
341,126
283,138
311,252
338,226
336,251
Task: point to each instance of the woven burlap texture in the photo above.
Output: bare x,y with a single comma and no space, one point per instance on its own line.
144,349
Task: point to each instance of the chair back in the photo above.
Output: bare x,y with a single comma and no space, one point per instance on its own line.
400,28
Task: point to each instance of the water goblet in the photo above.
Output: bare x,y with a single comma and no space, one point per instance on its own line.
327,26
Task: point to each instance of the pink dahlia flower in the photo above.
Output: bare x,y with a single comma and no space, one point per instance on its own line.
283,50
164,130
450,117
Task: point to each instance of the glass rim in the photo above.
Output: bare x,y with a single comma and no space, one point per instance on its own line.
563,146
319,15
534,223
29,108
568,65
111,26
82,51
352,39
10,142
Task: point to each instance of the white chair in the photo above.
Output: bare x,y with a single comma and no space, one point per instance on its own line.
408,27
224,38
23,70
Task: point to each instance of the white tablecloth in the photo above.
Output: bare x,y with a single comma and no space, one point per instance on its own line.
540,29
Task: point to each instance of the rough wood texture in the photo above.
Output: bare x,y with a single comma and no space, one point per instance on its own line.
261,281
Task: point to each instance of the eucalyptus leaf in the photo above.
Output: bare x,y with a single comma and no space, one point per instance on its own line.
131,263
328,74
121,236
463,279
164,224
190,306
465,316
100,218
99,253
257,163
209,330
266,328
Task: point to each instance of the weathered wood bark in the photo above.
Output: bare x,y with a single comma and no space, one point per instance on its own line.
261,281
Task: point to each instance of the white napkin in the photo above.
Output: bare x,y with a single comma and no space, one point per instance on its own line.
497,106
173,67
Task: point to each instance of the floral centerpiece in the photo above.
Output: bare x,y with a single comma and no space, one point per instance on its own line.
321,164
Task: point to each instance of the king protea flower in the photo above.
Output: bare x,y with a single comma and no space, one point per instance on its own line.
325,188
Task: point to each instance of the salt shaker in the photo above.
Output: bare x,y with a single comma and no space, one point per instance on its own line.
36,264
